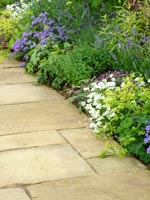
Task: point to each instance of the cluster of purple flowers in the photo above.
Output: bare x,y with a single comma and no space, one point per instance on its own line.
147,138
42,30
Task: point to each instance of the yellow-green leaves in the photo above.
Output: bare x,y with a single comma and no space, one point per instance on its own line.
121,111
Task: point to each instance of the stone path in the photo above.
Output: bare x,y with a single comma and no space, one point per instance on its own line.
48,153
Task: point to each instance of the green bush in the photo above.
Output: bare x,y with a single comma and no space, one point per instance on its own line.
8,26
122,112
66,68
4,3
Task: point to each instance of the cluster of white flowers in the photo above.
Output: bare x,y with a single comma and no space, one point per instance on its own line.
18,8
100,102
96,104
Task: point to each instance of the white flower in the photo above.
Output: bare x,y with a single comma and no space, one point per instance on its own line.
91,125
86,89
110,85
83,104
97,97
136,79
91,95
142,83
111,75
98,106
113,79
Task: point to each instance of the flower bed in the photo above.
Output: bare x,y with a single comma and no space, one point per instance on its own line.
120,108
98,52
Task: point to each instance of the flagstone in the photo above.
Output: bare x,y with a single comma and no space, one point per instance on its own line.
23,93
26,140
112,164
9,63
13,194
84,141
41,164
38,116
118,186
15,75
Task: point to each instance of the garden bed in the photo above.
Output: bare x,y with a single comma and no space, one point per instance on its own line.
95,53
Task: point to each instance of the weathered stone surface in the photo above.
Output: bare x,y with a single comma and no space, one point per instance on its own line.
9,63
15,75
26,140
121,186
13,194
41,164
113,164
32,117
84,141
23,93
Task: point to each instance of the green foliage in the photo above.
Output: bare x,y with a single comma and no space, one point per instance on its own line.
8,26
37,55
12,27
121,111
4,3
126,39
110,3
59,68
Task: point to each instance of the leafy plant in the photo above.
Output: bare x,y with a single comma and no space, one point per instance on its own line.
70,67
121,111
8,26
41,30
126,41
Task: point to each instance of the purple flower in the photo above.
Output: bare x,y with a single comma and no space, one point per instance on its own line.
129,41
26,58
147,139
23,64
42,30
148,150
147,129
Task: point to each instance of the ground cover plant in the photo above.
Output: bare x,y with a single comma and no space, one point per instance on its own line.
70,44
119,107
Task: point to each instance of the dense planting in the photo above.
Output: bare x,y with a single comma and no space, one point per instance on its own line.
96,50
121,109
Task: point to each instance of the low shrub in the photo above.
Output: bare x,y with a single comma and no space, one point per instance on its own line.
66,67
8,26
122,111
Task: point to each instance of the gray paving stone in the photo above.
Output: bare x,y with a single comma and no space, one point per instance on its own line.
26,140
13,194
41,164
15,75
120,186
32,117
113,164
84,141
23,93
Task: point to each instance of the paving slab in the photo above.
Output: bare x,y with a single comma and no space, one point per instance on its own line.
24,93
9,62
13,194
26,140
41,164
113,164
15,75
46,115
84,141
120,186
